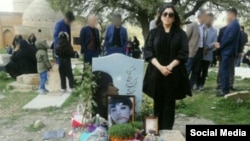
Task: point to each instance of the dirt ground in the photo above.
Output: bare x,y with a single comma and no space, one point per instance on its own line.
17,129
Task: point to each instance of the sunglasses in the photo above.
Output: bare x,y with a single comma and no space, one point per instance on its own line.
170,15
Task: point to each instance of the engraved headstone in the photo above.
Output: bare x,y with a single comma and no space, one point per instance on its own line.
127,74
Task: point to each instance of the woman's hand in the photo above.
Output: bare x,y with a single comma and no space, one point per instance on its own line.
165,70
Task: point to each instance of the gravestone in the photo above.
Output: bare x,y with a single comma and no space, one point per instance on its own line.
4,60
25,82
127,74
242,72
242,95
53,83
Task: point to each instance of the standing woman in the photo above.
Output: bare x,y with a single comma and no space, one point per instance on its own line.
32,39
166,78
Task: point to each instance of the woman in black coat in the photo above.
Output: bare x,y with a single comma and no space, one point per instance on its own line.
166,78
23,60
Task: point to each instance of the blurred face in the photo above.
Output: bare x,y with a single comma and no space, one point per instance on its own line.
230,17
117,21
120,113
92,21
202,18
209,21
67,21
167,17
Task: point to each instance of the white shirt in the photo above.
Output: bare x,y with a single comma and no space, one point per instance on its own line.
201,26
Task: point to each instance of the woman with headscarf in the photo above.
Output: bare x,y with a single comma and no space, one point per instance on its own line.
166,79
32,39
105,87
23,60
16,40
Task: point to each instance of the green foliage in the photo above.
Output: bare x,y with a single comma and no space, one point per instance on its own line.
86,89
140,11
3,76
146,108
122,130
222,111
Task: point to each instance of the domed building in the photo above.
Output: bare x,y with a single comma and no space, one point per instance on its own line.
31,16
38,18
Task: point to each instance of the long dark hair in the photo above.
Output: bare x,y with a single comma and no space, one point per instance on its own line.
177,19
32,38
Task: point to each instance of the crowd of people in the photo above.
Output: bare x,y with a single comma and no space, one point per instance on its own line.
178,60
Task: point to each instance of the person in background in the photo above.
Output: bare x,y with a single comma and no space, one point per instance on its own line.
16,39
63,26
136,52
9,49
43,64
90,40
208,50
195,32
228,49
166,78
246,58
65,67
116,37
23,59
243,41
152,23
32,39
129,47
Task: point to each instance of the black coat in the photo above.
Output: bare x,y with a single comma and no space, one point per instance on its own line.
22,61
165,52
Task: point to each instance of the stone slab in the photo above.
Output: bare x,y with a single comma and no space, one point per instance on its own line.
242,72
171,135
22,87
244,95
4,59
46,101
53,135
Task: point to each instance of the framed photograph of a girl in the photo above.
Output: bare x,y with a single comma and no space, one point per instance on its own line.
121,109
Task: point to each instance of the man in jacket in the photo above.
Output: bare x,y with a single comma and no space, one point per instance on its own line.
90,40
210,39
228,49
64,26
116,37
195,33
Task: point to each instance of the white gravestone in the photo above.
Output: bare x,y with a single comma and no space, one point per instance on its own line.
127,74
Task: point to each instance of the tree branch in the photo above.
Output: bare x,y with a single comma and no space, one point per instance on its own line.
196,7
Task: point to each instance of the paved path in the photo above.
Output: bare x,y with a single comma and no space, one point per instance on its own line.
46,101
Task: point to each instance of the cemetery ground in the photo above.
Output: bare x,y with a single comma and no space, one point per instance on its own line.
203,108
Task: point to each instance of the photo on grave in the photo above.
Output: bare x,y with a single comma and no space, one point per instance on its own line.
126,74
121,109
151,125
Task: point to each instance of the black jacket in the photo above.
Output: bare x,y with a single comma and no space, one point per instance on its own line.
174,49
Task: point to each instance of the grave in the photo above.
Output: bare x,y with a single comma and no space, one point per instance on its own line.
4,60
25,83
242,72
126,72
242,95
46,101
